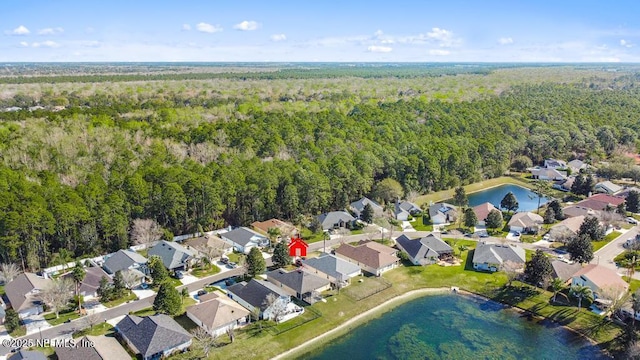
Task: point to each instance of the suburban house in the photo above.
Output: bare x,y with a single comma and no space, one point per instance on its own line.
243,239
217,314
204,244
124,260
254,295
153,337
565,184
442,213
286,230
339,272
554,164
576,210
358,206
607,187
563,270
174,256
426,250
91,282
297,247
576,165
303,285
26,355
624,193
100,348
491,257
482,211
548,174
567,228
525,222
600,202
370,256
23,293
404,209
335,219
603,281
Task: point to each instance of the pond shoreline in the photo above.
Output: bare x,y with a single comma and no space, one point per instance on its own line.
389,305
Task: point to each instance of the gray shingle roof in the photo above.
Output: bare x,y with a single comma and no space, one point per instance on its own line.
27,355
153,334
359,205
122,260
18,290
405,206
255,292
173,255
424,248
300,281
564,271
243,236
333,266
328,220
498,254
91,281
442,208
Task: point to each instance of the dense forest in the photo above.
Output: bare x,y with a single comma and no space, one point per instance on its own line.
86,154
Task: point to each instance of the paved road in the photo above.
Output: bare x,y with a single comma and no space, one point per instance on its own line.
68,328
607,253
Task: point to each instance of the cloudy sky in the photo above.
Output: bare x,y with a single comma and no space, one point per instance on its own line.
325,30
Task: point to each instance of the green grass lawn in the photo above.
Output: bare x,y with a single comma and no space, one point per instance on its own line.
49,352
204,272
422,223
235,257
121,300
310,237
597,245
63,316
634,285
20,331
1,290
185,322
144,312
97,330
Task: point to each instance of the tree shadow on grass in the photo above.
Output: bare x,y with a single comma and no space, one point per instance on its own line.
514,294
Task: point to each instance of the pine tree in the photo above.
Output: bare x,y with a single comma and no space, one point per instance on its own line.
255,262
578,185
168,300
367,214
281,256
509,202
633,201
538,270
11,320
119,285
159,273
581,249
557,209
105,290
460,197
591,228
494,219
549,216
470,218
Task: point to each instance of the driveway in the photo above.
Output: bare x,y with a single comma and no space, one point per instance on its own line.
605,255
407,227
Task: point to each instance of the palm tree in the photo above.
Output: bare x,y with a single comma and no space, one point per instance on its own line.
581,292
556,285
78,275
273,233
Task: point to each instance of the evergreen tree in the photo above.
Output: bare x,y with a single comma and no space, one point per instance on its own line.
105,290
11,320
622,209
591,228
460,197
589,185
281,256
509,202
538,270
78,275
557,209
470,218
549,216
367,214
578,185
494,219
159,273
633,201
255,262
581,249
168,300
119,286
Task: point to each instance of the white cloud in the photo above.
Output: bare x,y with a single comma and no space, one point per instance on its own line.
20,30
440,37
186,27
24,44
247,26
89,43
48,43
278,37
378,33
379,49
505,41
51,31
626,43
208,28
439,52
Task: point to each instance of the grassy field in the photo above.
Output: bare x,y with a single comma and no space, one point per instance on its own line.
204,272
253,343
97,330
63,316
448,194
597,245
121,300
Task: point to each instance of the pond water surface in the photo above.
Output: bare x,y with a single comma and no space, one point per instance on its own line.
527,199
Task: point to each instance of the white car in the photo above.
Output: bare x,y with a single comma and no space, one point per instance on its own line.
631,220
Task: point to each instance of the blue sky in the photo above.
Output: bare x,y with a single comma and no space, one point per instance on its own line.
415,31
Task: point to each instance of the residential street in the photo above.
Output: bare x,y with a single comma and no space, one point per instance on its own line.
68,328
607,253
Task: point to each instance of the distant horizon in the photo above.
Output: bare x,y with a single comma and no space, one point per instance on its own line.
609,64
329,31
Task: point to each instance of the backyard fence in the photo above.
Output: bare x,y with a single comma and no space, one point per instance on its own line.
369,287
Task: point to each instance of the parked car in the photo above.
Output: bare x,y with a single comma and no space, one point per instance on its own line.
178,274
516,233
202,292
224,260
631,220
232,265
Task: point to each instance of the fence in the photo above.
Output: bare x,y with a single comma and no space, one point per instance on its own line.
369,287
309,314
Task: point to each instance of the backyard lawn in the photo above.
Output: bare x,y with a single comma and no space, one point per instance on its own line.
121,300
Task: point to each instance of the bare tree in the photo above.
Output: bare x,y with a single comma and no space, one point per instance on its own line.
610,218
57,294
204,341
130,278
92,320
512,270
144,231
277,308
412,195
231,333
8,272
370,232
617,296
